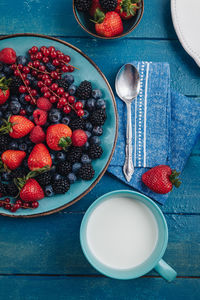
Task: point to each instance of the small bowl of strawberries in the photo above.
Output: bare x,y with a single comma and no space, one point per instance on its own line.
108,19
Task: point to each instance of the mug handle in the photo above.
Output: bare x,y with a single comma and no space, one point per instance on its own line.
165,270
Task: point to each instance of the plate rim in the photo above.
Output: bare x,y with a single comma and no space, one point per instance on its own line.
52,211
180,35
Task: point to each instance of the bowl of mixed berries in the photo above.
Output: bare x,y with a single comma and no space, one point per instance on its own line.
50,129
108,19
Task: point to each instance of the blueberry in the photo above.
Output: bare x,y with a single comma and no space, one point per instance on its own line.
69,78
7,114
65,120
96,94
13,145
22,99
101,104
48,191
98,130
31,118
15,107
76,167
29,109
88,126
83,102
52,156
54,115
22,60
5,176
30,77
2,74
53,169
1,66
1,114
4,106
86,114
46,125
72,177
72,89
29,150
23,147
90,104
34,84
14,98
95,140
56,176
50,67
85,159
86,146
61,156
7,70
88,134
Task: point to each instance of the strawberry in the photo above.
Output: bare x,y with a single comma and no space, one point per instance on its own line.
31,191
93,7
37,135
44,104
17,126
109,24
58,137
127,8
8,56
12,159
79,138
39,157
161,179
4,90
40,117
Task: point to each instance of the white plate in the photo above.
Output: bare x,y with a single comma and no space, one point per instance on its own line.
186,20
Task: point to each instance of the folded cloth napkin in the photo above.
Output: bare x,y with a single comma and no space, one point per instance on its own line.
165,127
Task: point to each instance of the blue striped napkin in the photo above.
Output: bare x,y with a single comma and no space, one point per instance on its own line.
165,127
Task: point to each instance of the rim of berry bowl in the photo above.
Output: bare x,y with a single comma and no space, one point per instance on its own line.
116,126
113,37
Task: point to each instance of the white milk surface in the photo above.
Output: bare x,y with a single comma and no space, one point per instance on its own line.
122,232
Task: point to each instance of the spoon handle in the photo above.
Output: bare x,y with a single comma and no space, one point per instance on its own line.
128,165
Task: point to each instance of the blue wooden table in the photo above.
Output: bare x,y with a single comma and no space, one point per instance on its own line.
41,258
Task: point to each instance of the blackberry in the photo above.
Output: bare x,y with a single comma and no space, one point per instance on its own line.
18,173
64,168
12,190
77,123
63,83
2,189
60,186
83,5
98,117
86,172
84,90
44,179
15,84
74,154
108,5
4,141
95,151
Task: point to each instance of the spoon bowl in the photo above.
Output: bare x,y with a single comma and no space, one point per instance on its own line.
127,85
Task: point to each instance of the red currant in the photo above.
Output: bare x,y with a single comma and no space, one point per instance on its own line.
59,105
39,76
47,81
27,98
34,73
51,48
66,95
55,62
34,49
60,91
43,48
20,66
45,59
16,206
53,99
22,89
26,70
78,105
47,94
39,56
54,74
59,77
36,63
67,58
27,82
71,69
60,56
26,205
40,83
45,76
34,204
80,112
54,86
23,75
33,57
53,54
22,112
7,200
16,72
66,109
18,202
44,89
7,206
42,68
71,99
30,64
33,93
46,52
65,69
14,67
63,101
33,101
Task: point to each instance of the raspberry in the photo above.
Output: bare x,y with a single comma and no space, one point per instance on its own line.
37,135
40,117
8,56
79,138
44,104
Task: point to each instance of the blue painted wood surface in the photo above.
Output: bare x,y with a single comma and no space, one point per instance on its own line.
41,258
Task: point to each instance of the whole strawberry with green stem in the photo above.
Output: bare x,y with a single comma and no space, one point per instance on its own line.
161,179
109,24
127,8
4,90
17,126
12,159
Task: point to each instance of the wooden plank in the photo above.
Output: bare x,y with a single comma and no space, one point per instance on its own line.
73,288
111,56
46,17
50,245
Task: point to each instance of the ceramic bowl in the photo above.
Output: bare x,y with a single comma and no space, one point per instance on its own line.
83,20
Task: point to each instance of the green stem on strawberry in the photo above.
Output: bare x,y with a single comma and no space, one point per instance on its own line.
4,84
174,178
65,142
7,127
